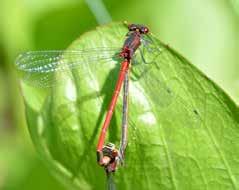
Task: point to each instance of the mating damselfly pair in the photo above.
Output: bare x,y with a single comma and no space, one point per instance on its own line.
50,68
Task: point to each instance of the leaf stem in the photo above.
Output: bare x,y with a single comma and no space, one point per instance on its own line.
99,10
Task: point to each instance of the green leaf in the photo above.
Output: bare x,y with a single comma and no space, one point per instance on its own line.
183,129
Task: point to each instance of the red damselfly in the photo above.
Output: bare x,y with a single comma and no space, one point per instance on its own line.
39,67
45,68
107,155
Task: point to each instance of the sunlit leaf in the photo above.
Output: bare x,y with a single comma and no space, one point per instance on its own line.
183,129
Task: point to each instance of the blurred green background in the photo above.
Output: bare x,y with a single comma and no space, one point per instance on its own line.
204,31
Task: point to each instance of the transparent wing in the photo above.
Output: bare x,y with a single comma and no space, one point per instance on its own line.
153,75
39,68
155,89
157,77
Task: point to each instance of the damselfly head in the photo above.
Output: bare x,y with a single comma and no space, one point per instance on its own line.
138,27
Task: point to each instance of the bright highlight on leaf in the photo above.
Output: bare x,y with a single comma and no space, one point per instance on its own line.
183,129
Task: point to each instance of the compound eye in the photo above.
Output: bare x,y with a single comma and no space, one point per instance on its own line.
144,30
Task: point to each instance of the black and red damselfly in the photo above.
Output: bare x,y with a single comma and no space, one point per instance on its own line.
40,67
